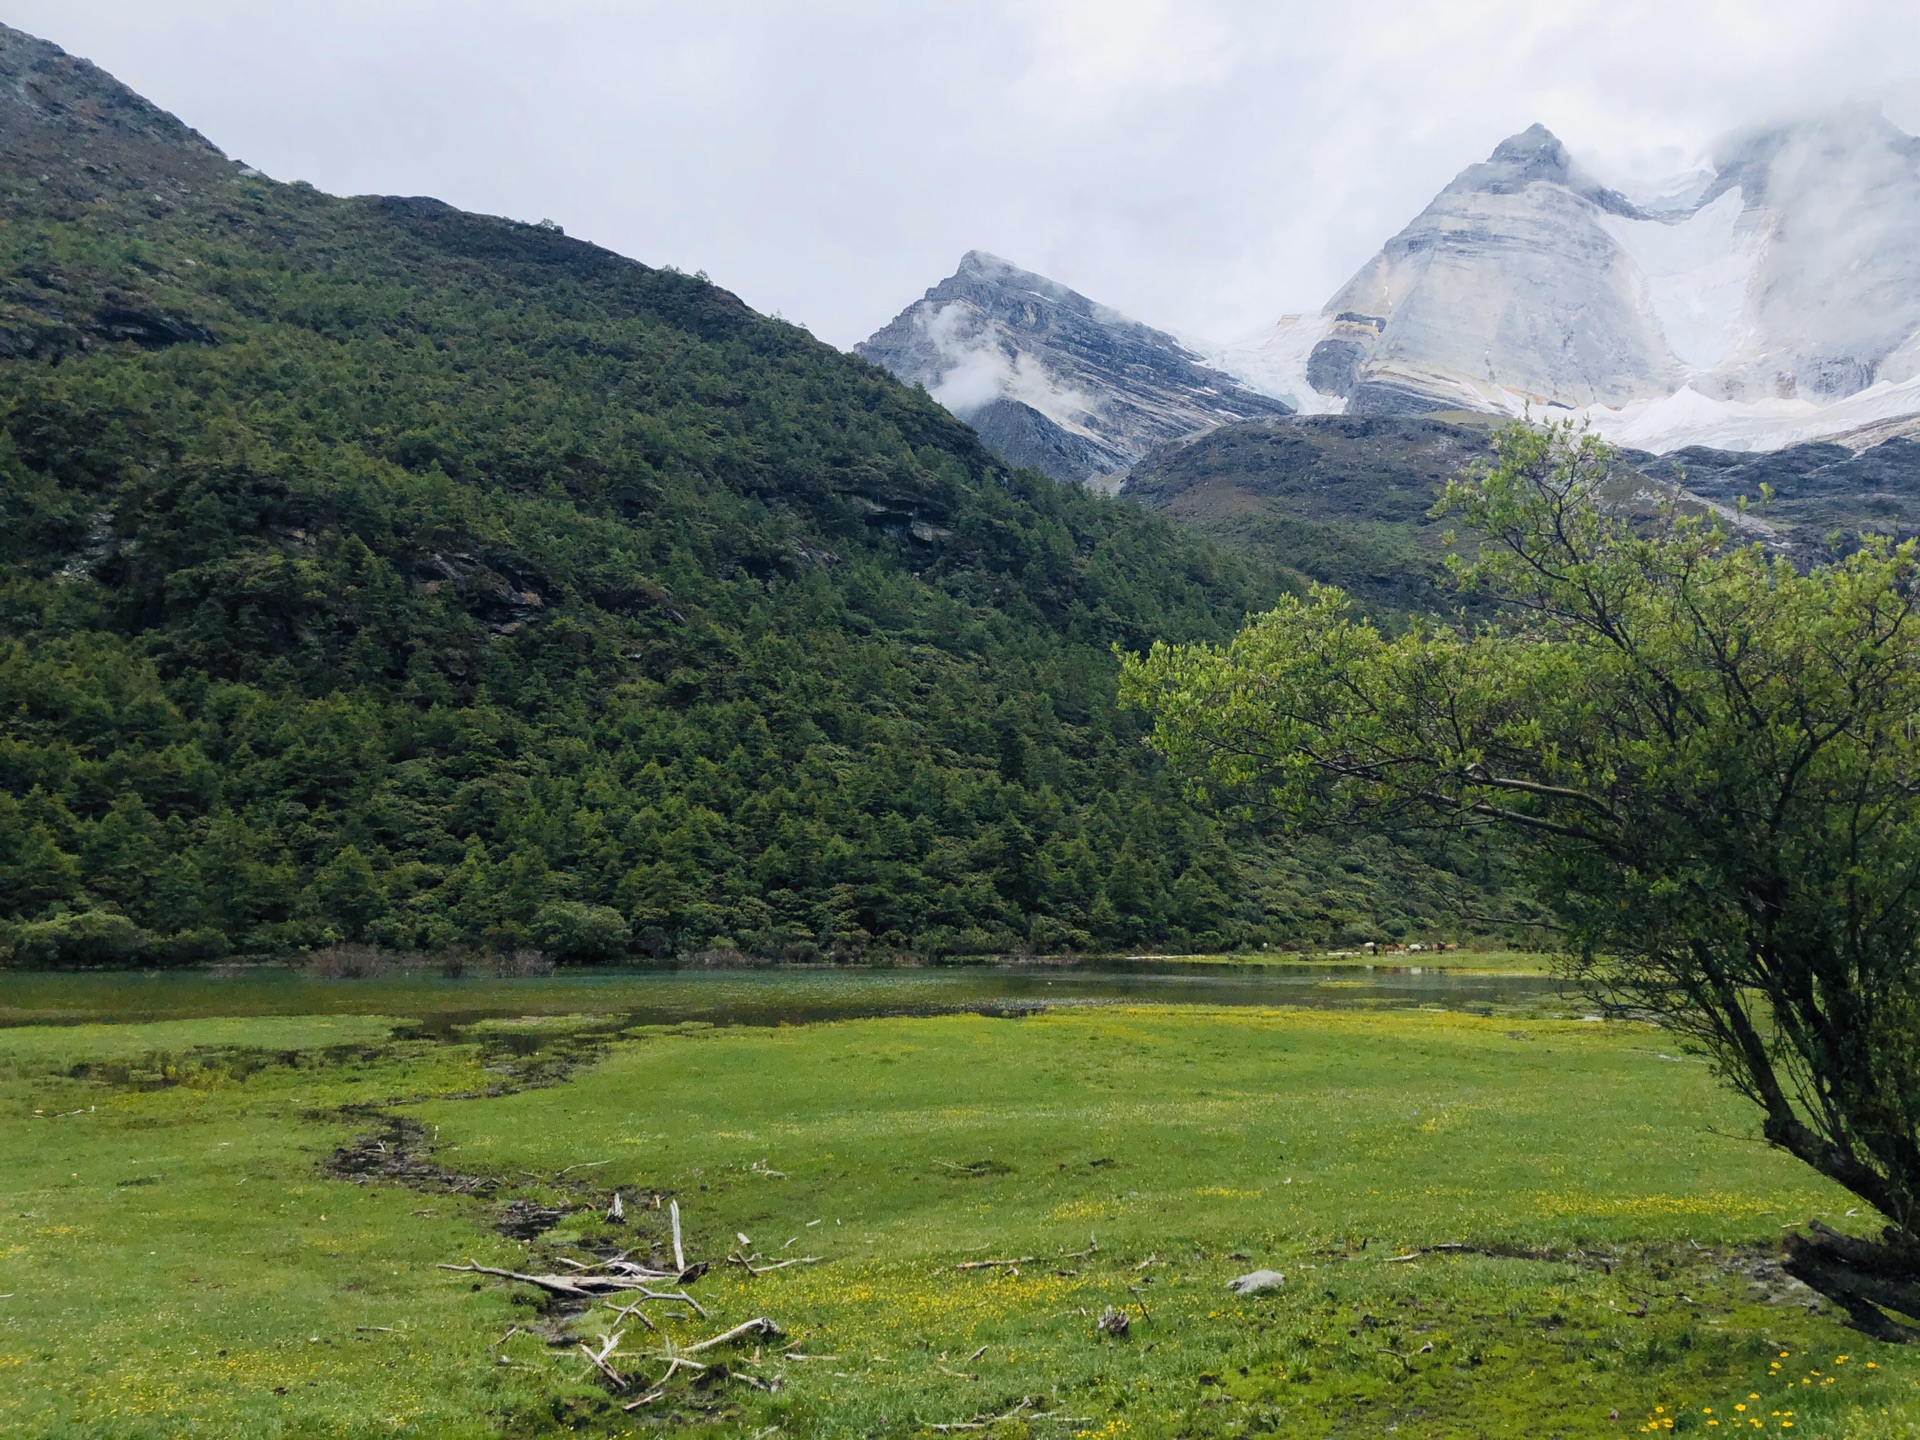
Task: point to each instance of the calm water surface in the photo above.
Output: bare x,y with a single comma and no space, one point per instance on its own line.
780,996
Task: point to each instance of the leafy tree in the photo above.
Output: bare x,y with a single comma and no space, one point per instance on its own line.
1706,762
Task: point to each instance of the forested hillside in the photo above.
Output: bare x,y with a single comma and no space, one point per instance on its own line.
378,571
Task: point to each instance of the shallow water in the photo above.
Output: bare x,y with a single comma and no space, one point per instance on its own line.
779,996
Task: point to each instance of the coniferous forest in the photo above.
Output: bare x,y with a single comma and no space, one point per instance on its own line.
376,571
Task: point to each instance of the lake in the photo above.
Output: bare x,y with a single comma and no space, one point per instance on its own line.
773,996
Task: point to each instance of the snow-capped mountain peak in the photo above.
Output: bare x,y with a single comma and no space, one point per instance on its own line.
1051,378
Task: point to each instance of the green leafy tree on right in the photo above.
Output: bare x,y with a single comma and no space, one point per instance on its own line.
1706,764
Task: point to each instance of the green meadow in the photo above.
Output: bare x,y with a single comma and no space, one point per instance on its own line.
1489,1225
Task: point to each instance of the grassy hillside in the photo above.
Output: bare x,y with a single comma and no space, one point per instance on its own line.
371,570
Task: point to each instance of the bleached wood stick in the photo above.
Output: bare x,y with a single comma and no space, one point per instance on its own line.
759,1325
679,1255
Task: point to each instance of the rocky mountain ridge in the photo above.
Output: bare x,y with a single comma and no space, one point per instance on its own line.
1052,379
1772,299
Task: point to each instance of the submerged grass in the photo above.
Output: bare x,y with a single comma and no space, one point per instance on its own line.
176,1258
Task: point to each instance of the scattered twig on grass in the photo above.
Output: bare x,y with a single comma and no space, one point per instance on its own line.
1402,1259
981,1422
643,1400
1023,1411
759,1325
585,1283
1150,1260
679,1255
387,1328
746,1262
1145,1314
585,1165
976,1354
622,1312
614,1377
1012,1264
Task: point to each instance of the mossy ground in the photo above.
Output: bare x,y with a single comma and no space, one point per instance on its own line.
177,1260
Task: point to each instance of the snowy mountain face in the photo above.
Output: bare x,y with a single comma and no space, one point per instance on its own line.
1773,299
1051,379
1509,281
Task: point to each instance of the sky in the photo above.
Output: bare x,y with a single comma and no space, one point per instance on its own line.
1203,165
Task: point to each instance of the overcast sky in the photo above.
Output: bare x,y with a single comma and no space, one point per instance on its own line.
1205,165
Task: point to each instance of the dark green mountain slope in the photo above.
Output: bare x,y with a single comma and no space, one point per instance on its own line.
376,570
1338,499
1347,499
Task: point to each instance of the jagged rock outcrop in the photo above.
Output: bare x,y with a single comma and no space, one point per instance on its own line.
1050,378
1771,300
1509,281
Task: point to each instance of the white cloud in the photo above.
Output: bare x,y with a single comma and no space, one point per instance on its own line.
1204,165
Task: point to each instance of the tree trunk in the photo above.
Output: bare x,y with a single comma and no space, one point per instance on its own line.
1864,1277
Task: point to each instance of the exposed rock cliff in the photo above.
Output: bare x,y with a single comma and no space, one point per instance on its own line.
1050,378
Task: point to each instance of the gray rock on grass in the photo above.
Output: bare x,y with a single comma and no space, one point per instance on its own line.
1254,1283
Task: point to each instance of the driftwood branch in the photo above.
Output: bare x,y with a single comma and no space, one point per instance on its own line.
679,1255
614,1377
580,1285
746,1262
1023,1411
760,1325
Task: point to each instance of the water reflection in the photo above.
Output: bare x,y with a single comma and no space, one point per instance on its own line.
777,996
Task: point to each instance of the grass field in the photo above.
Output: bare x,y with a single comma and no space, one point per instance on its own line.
176,1258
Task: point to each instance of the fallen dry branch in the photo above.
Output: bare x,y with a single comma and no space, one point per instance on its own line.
634,1312
583,1285
746,1262
614,1377
1023,1411
991,1264
679,1255
759,1325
